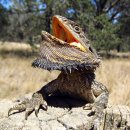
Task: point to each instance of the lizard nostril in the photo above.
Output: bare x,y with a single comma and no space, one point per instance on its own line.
65,40
59,26
90,49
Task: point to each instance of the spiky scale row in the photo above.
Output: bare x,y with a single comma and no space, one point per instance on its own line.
48,65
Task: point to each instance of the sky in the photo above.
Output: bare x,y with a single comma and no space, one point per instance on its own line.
6,3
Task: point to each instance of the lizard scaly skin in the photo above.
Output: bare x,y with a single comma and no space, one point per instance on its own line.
71,53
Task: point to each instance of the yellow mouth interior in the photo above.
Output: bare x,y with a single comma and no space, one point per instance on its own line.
63,33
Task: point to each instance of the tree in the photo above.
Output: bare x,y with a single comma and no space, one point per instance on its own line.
3,20
104,21
93,16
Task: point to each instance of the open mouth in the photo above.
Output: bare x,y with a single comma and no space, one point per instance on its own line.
63,33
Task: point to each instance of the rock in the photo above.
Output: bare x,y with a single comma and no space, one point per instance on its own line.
60,117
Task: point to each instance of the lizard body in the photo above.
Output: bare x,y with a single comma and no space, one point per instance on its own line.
70,52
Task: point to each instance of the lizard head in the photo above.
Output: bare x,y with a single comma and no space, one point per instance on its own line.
71,32
67,49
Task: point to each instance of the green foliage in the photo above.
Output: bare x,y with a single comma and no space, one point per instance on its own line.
103,33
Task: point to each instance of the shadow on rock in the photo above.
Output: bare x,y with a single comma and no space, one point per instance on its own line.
65,102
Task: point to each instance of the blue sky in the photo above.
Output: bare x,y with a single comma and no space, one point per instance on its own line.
6,3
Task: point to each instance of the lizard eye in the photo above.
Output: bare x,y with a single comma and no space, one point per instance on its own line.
77,29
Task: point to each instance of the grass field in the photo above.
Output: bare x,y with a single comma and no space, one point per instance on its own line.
17,77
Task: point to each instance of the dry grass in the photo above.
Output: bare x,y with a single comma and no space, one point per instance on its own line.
115,74
17,77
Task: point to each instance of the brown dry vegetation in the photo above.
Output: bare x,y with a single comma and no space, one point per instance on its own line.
17,77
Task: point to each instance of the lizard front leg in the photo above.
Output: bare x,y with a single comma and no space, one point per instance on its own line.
29,105
38,99
101,95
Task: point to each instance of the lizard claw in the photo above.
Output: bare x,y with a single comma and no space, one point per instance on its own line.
91,106
30,104
88,106
45,106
